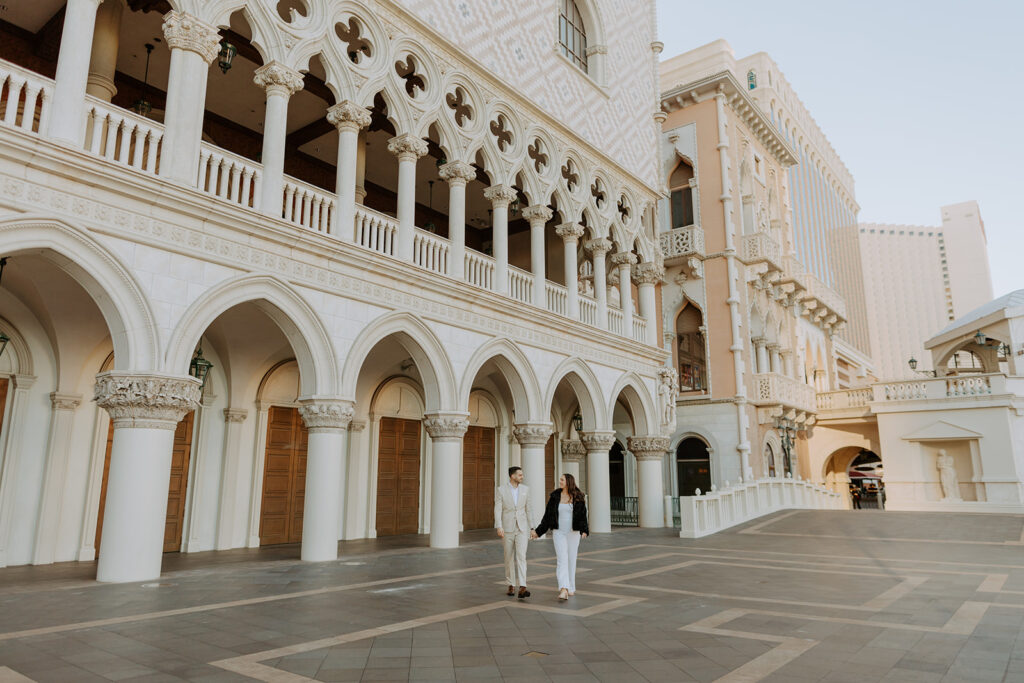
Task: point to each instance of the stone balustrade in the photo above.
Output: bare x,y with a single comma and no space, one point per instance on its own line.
771,388
681,243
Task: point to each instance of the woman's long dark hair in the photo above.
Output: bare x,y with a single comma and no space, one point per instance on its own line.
575,495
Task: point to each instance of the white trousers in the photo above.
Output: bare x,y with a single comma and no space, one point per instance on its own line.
515,557
567,544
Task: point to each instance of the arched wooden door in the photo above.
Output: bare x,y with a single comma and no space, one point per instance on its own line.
549,466
398,476
284,477
478,478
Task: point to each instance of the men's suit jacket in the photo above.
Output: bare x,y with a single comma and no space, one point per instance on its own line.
510,515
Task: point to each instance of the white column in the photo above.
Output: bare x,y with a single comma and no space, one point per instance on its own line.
571,234
573,452
15,454
625,261
357,474
500,196
649,452
538,215
598,248
532,437
774,359
361,167
446,431
327,421
648,275
194,45
408,149
761,354
457,174
146,409
349,118
598,480
58,454
103,63
234,420
280,83
67,120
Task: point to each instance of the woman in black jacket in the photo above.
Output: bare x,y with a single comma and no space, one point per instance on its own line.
566,516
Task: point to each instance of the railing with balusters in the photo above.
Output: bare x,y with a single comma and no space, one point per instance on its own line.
588,310
479,269
557,298
375,231
24,99
430,252
520,285
228,176
121,136
615,320
308,206
639,329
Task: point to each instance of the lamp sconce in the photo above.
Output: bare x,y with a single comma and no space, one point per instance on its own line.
913,366
200,368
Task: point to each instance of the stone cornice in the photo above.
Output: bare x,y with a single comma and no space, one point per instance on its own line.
146,400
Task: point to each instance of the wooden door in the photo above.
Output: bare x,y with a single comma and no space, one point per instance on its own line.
284,477
398,477
176,489
478,478
549,467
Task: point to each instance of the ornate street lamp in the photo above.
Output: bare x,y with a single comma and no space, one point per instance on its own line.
577,422
913,366
980,338
912,363
226,55
200,367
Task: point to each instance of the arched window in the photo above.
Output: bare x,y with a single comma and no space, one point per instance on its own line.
572,34
769,456
681,197
690,349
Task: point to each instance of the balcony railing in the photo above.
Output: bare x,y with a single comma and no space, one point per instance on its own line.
824,295
121,136
307,206
941,388
615,320
845,399
479,269
681,243
588,310
375,231
760,247
520,285
25,98
430,252
774,389
557,298
229,177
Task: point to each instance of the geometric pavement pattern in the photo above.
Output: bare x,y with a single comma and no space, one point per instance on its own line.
798,596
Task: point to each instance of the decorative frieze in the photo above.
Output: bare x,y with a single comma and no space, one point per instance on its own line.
278,79
326,415
648,447
597,442
532,434
446,426
146,401
348,116
407,147
185,32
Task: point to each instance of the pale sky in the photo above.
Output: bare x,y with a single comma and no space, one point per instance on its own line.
920,98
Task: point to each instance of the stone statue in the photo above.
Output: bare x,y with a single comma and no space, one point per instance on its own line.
947,476
667,392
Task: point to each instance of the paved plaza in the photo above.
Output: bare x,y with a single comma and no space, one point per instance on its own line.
799,596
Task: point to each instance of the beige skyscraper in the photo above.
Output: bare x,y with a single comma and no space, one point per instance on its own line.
919,278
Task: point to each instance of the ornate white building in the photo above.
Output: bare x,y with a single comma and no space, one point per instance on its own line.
415,240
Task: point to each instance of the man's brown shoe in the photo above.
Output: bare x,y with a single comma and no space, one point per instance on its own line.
511,590
523,593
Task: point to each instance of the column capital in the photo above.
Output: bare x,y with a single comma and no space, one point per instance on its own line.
648,447
573,450
348,116
185,32
500,196
596,442
624,258
278,79
773,346
326,414
759,341
407,147
648,273
532,433
146,400
599,246
62,401
446,426
537,212
235,415
357,426
457,172
570,232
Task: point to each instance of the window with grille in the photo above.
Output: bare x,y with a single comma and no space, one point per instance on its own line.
572,34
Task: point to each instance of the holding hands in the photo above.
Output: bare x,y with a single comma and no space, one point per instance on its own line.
533,534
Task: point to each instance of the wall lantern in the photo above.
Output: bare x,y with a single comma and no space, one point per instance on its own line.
912,363
913,366
226,55
142,106
200,367
980,338
4,339
577,422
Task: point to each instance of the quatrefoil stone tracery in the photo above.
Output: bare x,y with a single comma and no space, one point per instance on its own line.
571,177
408,71
540,158
358,47
458,102
501,132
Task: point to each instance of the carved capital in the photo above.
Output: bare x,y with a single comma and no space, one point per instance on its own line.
235,415
326,415
500,196
623,258
570,232
573,450
278,79
65,401
648,273
648,447
357,426
446,426
538,212
185,32
348,116
598,247
597,442
532,434
146,401
407,147
457,172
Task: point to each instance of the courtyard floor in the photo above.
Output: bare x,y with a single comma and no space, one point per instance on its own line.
798,596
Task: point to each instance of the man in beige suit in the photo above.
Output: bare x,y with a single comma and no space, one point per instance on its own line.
511,519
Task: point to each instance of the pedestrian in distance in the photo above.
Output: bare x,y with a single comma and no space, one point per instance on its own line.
855,496
514,526
566,517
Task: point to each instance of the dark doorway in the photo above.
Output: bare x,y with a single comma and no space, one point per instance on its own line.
693,466
617,471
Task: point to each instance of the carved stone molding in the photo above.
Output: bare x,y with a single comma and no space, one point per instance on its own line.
278,79
570,232
537,212
648,273
500,196
185,32
532,434
446,426
648,447
573,450
598,246
357,426
326,415
348,116
146,401
235,415
596,442
65,401
456,172
623,258
407,147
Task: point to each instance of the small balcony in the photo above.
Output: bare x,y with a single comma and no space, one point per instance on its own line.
760,247
823,301
970,387
773,389
847,403
680,244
